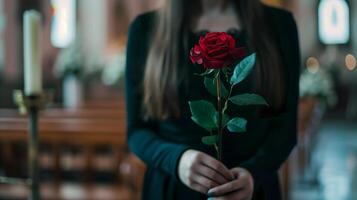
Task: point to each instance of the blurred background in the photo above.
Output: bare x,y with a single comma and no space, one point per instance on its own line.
83,154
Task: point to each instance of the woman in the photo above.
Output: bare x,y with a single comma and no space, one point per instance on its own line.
160,81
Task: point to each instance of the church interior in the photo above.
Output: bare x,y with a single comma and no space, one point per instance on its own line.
80,118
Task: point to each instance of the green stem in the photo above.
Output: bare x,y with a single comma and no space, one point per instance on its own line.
220,114
215,145
226,102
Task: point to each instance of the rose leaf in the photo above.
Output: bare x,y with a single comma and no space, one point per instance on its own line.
210,85
248,99
203,114
210,140
237,125
242,70
207,72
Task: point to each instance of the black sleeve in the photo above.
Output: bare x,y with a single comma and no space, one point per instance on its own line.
283,129
141,136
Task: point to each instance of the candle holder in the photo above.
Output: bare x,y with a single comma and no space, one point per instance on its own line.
30,105
26,103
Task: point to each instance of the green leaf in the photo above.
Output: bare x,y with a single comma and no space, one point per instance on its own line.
237,125
203,114
248,99
210,85
210,140
242,70
207,72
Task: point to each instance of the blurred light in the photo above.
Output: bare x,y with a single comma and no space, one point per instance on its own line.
351,161
63,29
351,62
334,21
312,65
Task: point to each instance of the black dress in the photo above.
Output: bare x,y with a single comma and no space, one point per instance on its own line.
261,150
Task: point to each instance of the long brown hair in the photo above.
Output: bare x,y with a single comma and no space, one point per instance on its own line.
169,37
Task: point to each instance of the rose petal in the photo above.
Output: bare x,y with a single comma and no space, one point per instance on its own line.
238,53
197,49
216,50
213,64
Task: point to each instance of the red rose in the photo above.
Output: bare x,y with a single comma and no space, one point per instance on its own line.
216,50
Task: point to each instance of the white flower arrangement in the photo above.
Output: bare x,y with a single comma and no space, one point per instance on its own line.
114,69
70,60
319,85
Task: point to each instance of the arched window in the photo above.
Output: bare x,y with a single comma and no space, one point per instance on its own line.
63,23
334,21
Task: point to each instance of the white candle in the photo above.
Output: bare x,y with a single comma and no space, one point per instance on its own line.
32,53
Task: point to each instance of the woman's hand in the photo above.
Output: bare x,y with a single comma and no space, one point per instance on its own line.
239,189
202,172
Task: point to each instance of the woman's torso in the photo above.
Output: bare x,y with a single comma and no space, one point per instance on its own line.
237,146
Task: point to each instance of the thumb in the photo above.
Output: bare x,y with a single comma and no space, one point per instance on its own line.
237,171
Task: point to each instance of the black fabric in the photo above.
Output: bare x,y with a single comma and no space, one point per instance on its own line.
160,143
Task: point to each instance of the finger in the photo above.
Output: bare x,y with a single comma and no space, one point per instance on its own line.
212,174
218,167
204,181
199,188
237,184
244,175
238,195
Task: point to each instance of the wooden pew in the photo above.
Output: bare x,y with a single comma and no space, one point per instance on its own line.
56,130
70,113
86,127
69,191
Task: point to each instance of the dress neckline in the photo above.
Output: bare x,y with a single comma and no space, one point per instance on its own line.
231,31
240,36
